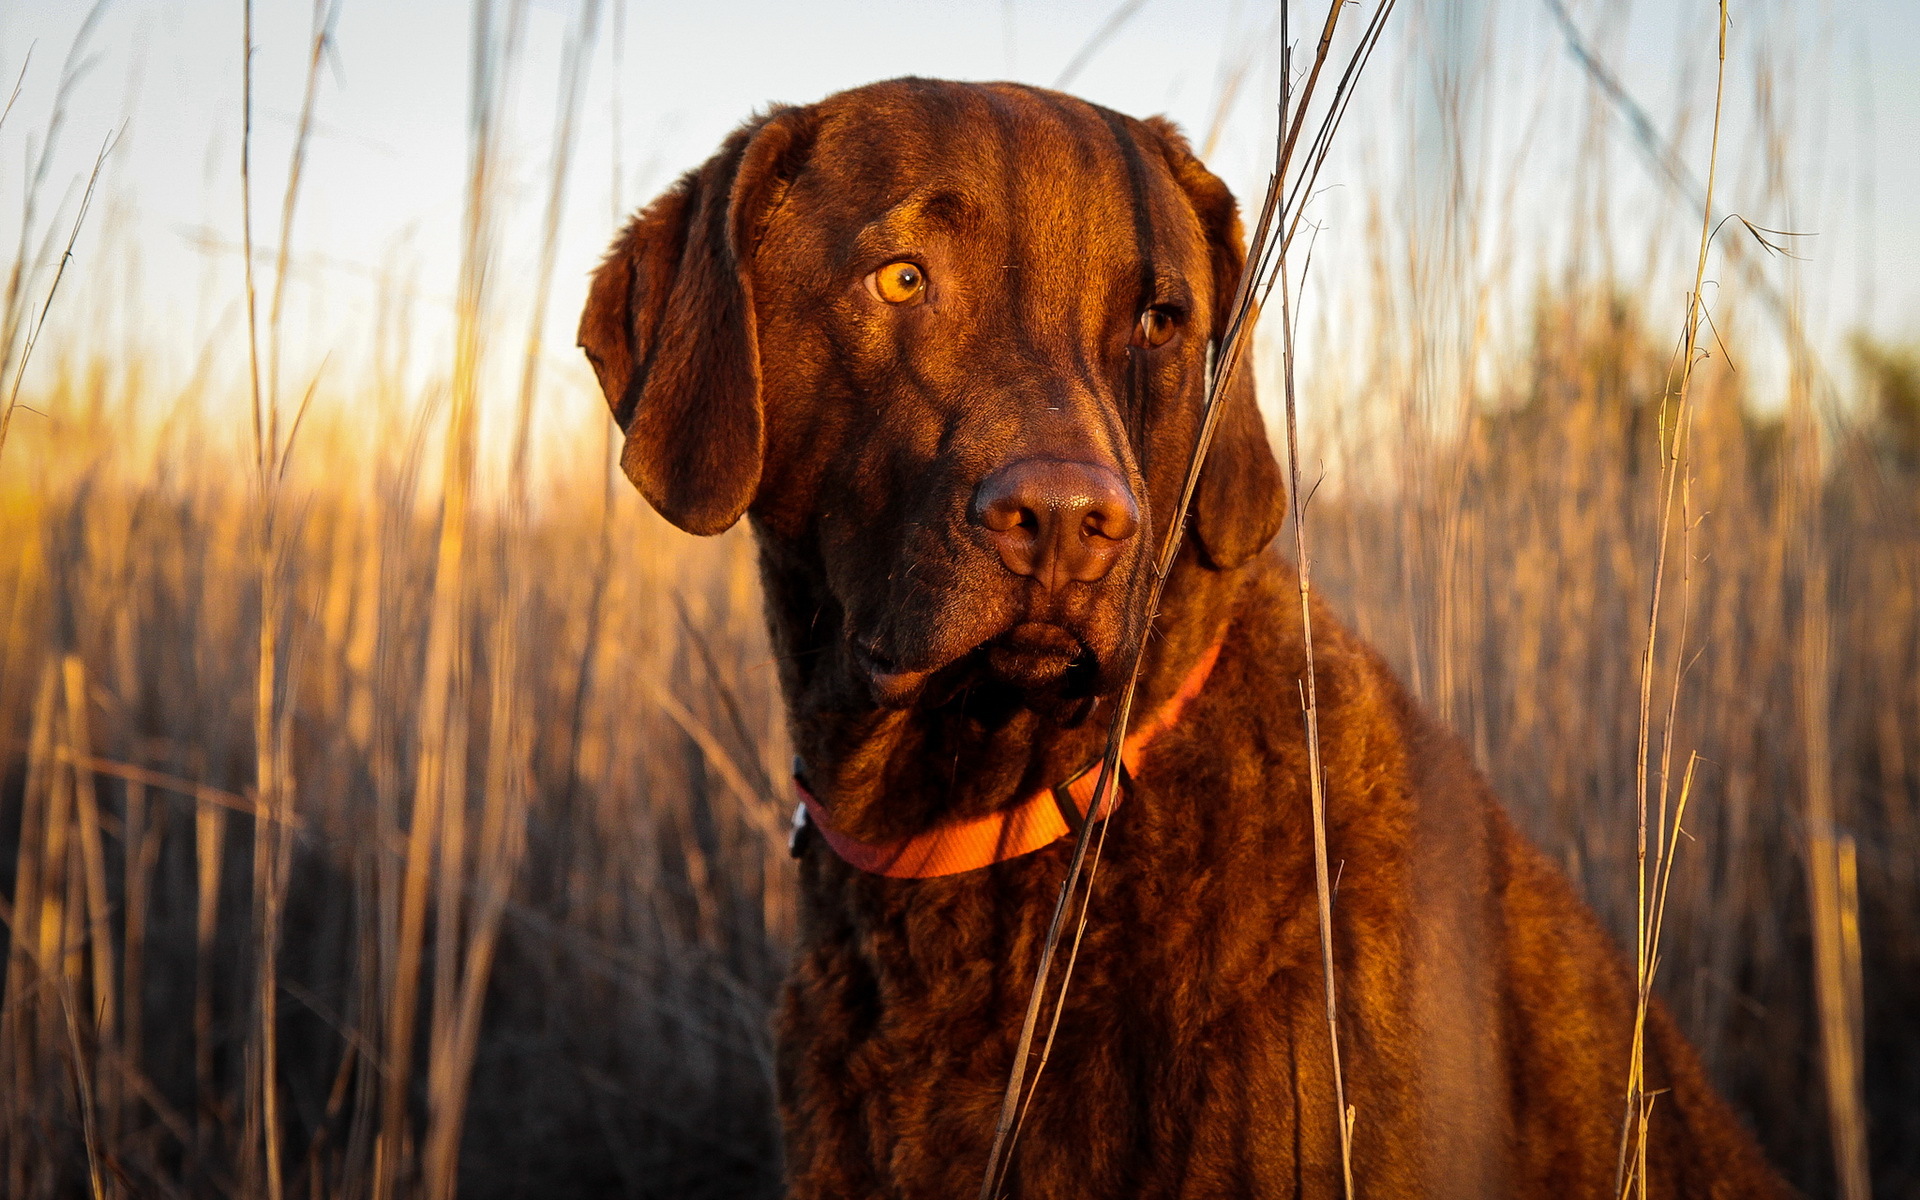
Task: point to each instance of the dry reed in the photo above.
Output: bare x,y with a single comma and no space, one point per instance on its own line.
1674,424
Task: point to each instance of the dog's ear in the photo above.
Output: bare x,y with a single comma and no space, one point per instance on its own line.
1241,499
669,328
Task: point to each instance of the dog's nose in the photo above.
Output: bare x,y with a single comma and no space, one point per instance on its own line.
1056,521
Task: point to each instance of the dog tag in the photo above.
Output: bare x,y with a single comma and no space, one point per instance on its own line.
798,827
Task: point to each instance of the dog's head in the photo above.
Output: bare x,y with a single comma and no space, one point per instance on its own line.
950,341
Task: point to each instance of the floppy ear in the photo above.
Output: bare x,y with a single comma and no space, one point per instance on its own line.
669,328
1241,499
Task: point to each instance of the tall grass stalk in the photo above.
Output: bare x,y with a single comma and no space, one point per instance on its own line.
438,828
15,350
274,822
1310,708
1833,906
1264,261
502,838
53,289
1674,467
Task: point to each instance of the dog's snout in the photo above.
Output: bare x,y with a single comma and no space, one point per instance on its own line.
1056,521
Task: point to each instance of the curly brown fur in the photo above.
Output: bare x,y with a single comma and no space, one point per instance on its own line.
736,333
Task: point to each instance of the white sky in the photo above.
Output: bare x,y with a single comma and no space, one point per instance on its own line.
158,261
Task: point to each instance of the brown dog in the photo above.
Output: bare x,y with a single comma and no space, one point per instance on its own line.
944,344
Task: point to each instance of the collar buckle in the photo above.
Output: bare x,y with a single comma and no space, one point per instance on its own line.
1070,808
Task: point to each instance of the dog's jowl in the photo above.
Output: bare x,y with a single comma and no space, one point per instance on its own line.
944,345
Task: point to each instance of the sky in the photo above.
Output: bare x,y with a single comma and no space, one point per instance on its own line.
381,197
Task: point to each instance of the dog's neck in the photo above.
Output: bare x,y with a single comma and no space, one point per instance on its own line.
896,772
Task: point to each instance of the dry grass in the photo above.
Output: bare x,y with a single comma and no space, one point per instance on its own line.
1513,563
625,1042
514,901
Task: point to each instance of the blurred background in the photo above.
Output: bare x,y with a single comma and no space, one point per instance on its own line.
391,804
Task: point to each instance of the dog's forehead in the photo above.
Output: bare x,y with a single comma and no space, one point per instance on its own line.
998,159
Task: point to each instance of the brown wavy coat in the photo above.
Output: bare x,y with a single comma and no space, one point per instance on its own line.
867,429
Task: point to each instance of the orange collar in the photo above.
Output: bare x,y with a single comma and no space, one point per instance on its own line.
1039,820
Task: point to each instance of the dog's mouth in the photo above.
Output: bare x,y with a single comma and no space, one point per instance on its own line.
1035,656
892,684
1045,666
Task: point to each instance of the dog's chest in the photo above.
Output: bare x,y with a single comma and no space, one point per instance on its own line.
1192,994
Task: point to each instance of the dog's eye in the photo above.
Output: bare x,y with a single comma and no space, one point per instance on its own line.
1155,327
898,282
